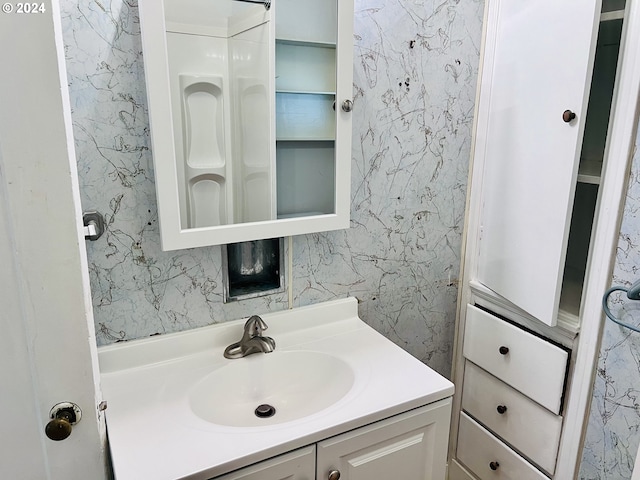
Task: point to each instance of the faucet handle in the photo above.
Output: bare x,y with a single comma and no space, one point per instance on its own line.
255,325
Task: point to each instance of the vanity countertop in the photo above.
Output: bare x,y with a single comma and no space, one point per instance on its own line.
149,386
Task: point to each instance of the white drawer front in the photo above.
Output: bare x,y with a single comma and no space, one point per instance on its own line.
530,364
478,450
525,425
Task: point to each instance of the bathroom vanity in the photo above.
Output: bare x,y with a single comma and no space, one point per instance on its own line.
348,403
550,152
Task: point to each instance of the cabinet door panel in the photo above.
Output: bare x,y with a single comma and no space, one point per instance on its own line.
411,446
537,64
296,465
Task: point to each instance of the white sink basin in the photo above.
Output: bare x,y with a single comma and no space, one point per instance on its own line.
295,383
178,409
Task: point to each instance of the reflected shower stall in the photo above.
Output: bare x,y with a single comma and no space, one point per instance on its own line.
220,70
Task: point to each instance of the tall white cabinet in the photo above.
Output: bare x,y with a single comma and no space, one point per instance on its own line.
544,187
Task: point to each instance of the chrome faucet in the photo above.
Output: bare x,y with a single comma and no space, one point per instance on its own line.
252,340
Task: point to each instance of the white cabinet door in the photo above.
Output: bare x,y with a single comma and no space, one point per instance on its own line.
411,446
296,465
537,64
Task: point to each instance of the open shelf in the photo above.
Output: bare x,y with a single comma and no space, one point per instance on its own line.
305,116
305,178
305,67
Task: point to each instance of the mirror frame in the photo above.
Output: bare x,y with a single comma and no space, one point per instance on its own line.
172,235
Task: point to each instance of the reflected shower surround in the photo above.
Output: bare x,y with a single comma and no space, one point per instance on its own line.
219,64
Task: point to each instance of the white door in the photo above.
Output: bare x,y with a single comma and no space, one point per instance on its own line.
537,64
47,348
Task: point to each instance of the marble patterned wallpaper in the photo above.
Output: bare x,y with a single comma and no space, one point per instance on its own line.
613,433
415,68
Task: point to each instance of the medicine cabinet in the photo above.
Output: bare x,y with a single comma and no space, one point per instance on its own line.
250,111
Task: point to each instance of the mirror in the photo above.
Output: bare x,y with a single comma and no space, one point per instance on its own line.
249,105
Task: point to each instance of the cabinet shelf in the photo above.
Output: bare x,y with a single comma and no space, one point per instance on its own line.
305,177
305,139
305,67
300,115
304,43
306,92
590,171
613,15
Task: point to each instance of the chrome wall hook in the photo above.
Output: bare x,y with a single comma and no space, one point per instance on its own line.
633,293
93,225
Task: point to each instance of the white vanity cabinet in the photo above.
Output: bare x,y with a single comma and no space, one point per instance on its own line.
409,446
547,91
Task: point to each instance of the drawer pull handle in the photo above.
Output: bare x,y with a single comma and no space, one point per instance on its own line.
568,116
503,350
501,409
494,465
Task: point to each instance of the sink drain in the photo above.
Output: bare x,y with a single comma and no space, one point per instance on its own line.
265,411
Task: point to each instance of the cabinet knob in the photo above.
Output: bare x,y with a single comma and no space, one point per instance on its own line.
347,106
494,465
568,115
334,475
501,409
503,350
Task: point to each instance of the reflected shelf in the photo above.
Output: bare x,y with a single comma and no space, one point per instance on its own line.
590,171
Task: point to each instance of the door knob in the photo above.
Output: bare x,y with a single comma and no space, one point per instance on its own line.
334,475
568,115
347,106
63,416
59,428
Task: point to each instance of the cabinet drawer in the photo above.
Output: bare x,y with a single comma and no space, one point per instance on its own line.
479,450
528,363
531,429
